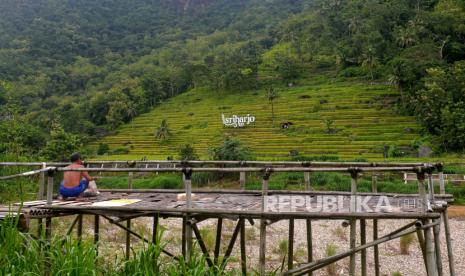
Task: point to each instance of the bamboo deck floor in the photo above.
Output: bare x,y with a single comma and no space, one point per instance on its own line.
228,203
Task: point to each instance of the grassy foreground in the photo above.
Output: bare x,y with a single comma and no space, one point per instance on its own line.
23,254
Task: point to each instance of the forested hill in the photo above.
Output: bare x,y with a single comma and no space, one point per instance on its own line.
75,70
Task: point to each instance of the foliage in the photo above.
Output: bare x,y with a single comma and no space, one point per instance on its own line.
231,149
60,144
163,132
187,152
272,95
405,242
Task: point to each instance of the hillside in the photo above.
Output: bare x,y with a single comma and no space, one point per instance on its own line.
363,123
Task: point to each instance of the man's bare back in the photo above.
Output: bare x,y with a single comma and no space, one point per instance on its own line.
72,179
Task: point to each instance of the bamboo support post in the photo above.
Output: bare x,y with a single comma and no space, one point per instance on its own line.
437,246
405,230
79,227
450,253
219,228
188,224
48,239
376,248
422,244
40,194
96,232
128,222
442,186
353,222
202,245
155,229
430,188
230,247
50,188
309,243
242,180
430,254
307,181
374,183
290,251
422,196
262,248
243,249
183,238
363,241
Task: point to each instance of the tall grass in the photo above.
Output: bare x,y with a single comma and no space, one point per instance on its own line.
22,254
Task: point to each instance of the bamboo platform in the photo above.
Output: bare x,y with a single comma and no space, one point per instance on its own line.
425,215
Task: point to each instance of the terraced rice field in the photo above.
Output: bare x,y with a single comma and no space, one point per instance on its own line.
363,123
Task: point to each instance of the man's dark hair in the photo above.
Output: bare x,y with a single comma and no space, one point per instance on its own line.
75,157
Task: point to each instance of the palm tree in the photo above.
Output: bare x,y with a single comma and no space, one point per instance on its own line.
131,112
370,61
271,95
163,131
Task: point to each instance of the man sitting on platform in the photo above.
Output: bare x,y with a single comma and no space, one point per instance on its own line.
77,183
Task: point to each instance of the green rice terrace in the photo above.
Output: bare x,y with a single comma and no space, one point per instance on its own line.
345,120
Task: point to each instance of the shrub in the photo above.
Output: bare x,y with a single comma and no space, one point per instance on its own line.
187,152
405,242
231,149
331,250
102,149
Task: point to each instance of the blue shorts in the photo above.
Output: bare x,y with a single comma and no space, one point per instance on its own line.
75,191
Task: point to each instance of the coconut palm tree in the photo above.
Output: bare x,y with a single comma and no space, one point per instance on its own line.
163,132
272,95
370,61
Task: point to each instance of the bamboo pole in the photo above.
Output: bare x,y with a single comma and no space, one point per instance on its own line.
242,163
242,180
422,244
376,248
374,183
262,248
50,188
353,225
40,194
128,222
243,249
216,213
290,251
202,245
442,186
230,247
309,243
437,246
155,229
79,227
422,196
307,181
188,190
324,262
219,227
430,254
96,232
364,251
450,253
240,169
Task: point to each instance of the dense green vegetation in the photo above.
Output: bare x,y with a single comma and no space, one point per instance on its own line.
74,71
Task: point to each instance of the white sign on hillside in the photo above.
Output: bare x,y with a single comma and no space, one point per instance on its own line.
237,121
